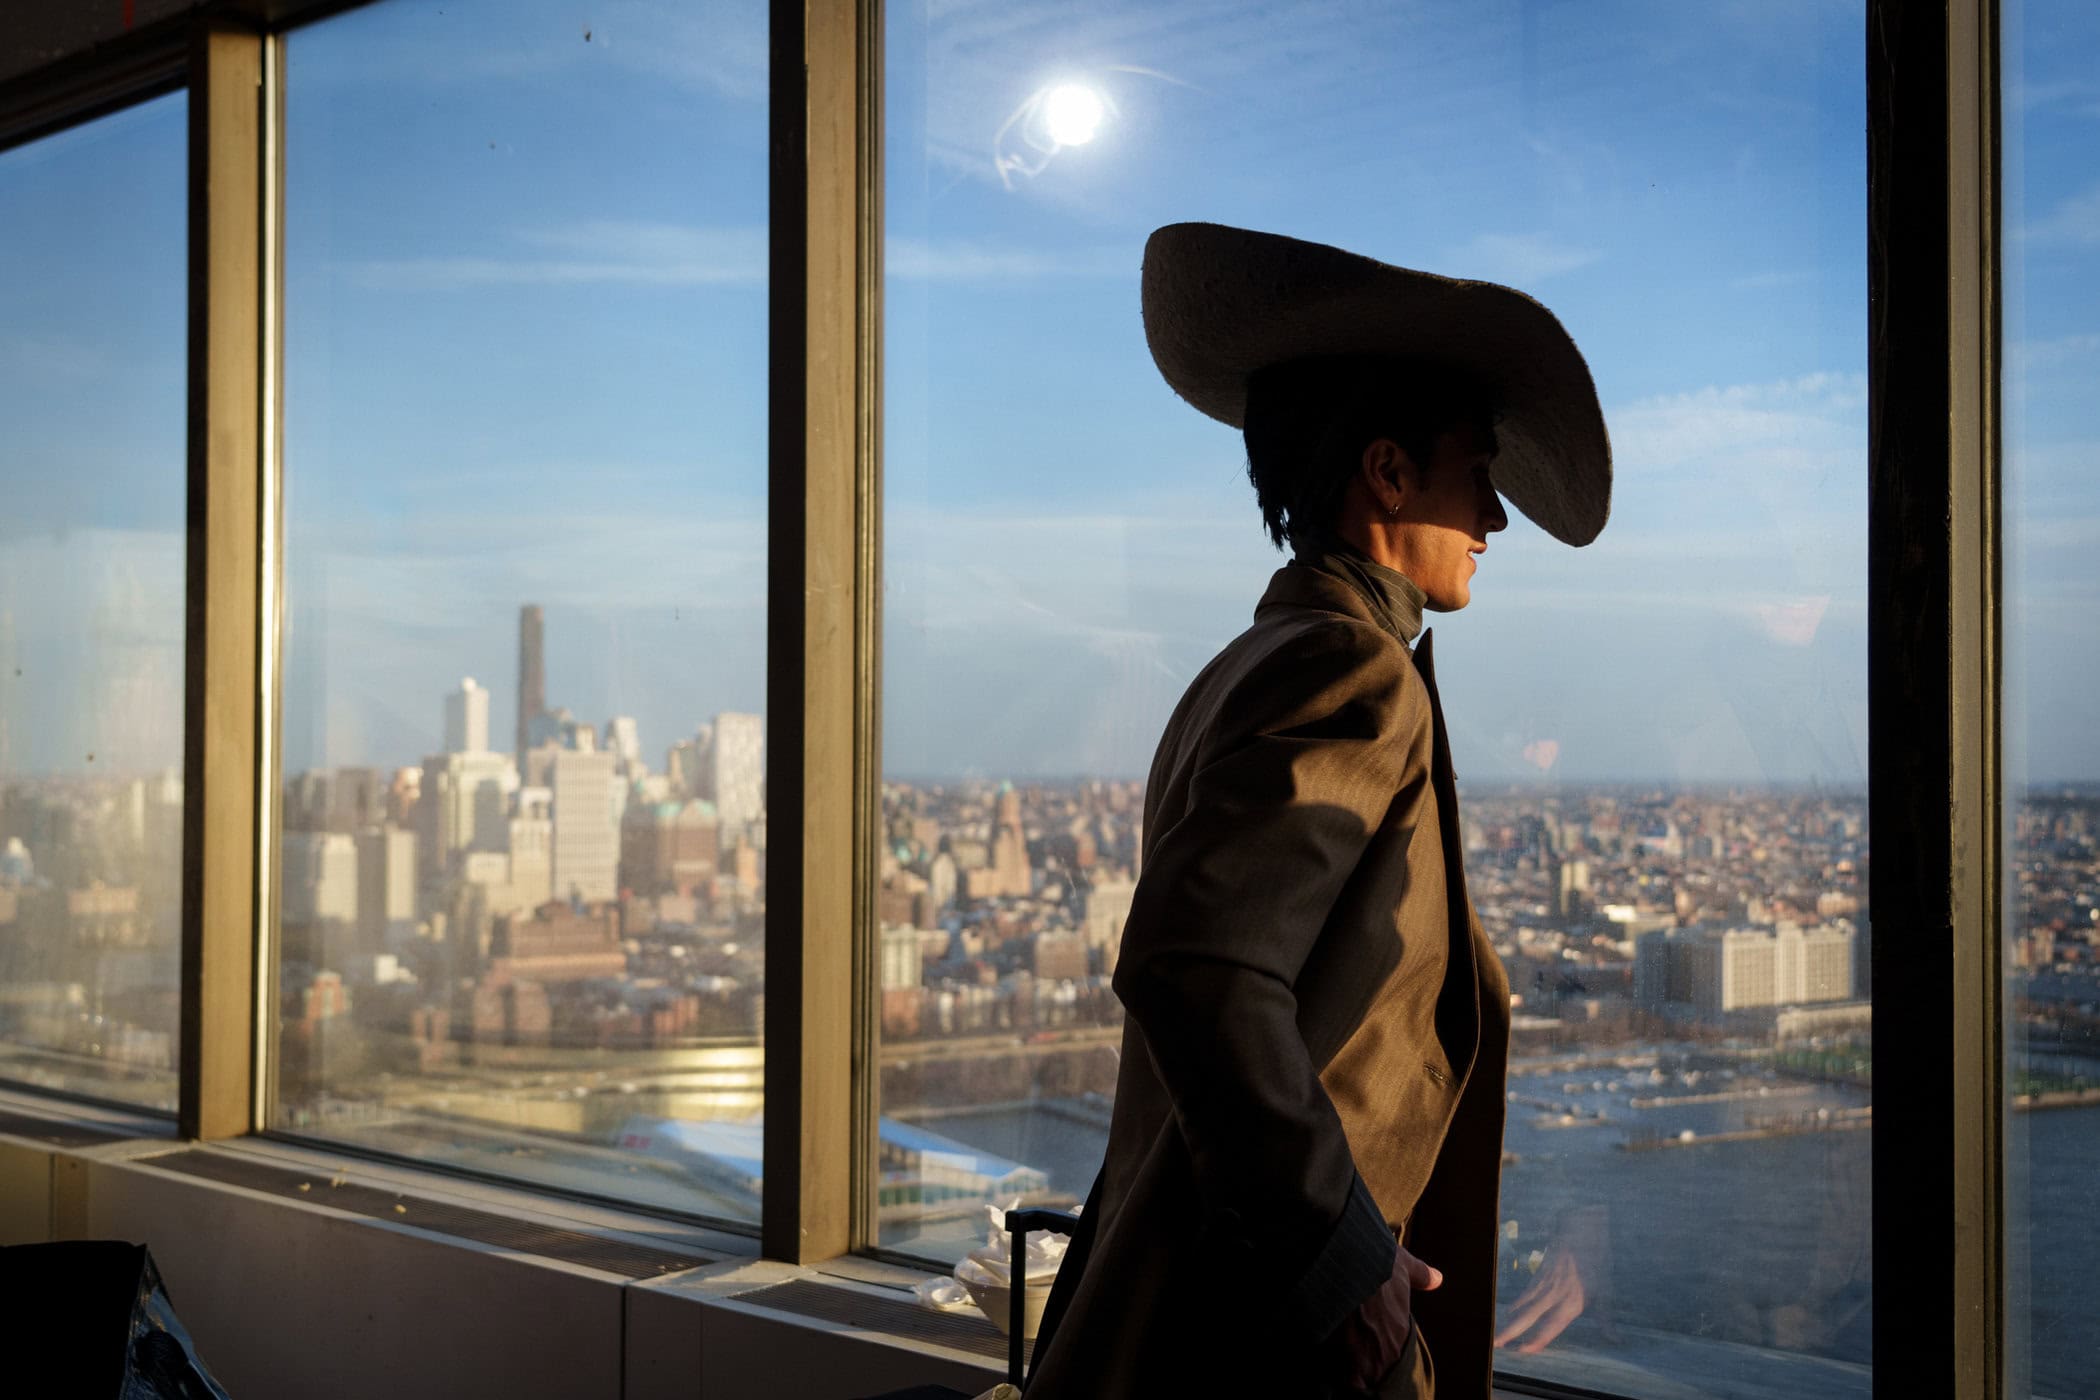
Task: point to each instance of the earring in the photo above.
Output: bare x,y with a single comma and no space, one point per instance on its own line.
1395,510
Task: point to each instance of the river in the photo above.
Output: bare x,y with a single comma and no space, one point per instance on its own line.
1741,1267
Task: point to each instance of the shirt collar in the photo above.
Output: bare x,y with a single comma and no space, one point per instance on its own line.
1394,599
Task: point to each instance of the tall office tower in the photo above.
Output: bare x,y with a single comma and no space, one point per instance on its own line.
624,738
467,719
1574,888
532,848
1107,910
386,886
736,769
464,807
682,767
532,675
586,837
320,886
1010,868
356,799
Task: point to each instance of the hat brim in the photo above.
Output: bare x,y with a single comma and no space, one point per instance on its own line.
1222,302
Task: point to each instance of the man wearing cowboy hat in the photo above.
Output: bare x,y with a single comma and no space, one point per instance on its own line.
1299,1193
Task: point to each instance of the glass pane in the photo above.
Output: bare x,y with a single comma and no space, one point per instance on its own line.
523,852
2051,56
1660,739
93,368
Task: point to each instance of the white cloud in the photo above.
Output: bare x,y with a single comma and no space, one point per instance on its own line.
1792,622
1816,423
1519,258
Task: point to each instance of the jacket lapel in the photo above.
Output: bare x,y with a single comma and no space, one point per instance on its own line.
1458,1001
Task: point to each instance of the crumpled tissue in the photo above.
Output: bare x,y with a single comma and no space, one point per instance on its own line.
991,1264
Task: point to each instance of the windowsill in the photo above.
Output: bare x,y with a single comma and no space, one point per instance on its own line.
716,1320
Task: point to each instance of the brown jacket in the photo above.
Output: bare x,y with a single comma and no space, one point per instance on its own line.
1316,1040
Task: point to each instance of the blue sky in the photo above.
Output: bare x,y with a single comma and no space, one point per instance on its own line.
525,302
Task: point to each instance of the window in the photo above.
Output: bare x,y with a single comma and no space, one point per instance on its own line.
92,278
1661,739
521,904
2052,645
524,434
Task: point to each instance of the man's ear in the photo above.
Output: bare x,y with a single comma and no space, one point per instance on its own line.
1389,475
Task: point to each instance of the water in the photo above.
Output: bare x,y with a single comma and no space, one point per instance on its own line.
1716,1268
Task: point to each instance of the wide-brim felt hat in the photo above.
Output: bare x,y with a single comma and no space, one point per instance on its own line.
1221,303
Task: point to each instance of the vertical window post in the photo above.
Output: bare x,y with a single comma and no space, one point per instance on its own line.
820,599
222,747
1934,702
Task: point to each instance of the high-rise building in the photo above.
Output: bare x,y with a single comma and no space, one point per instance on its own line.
735,766
1107,910
586,838
624,737
386,886
467,719
1574,888
357,799
320,879
669,846
532,849
464,806
532,675
902,960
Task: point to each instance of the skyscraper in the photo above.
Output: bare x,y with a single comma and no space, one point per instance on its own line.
736,769
467,719
464,807
624,738
586,852
532,675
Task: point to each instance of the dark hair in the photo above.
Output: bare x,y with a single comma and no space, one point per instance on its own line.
1308,422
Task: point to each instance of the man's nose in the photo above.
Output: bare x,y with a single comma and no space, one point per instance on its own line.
1497,517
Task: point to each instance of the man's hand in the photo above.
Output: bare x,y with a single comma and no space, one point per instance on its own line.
1371,1340
1574,1278
1555,1299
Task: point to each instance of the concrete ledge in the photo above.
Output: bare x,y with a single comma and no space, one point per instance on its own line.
289,1296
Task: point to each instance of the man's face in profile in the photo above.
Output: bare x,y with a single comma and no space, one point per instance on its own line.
1445,521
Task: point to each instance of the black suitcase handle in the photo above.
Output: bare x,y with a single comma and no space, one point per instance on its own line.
1019,1225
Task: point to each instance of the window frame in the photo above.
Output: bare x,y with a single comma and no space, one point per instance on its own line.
1934,599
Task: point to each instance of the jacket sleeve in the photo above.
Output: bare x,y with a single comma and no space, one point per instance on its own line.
1306,758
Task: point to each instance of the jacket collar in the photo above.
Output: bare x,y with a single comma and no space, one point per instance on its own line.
1297,585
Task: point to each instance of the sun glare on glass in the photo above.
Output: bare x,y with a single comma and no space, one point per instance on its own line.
1072,114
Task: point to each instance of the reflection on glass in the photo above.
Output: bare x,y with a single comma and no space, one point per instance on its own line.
2051,53
1661,740
92,502
522,853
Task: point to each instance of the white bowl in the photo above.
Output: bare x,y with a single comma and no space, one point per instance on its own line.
995,1301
